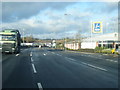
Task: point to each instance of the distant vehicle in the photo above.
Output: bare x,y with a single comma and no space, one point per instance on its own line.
118,50
10,40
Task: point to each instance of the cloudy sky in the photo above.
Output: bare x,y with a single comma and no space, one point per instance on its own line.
58,19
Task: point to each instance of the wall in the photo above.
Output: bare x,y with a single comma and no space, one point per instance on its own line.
88,45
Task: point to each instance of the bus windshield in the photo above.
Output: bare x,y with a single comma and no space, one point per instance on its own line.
7,37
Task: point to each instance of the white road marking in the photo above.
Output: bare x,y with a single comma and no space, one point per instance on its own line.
44,54
34,68
97,67
17,54
94,66
90,65
58,54
84,63
53,52
101,58
115,61
111,60
31,59
108,59
82,55
70,59
31,54
40,86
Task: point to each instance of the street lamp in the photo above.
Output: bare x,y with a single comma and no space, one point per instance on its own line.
107,26
23,36
65,30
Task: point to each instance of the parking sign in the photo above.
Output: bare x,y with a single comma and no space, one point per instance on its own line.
97,27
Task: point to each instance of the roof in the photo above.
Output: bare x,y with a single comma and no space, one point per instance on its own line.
104,37
8,33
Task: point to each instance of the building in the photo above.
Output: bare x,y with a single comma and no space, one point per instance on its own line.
72,45
110,40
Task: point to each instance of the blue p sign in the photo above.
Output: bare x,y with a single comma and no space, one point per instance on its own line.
97,27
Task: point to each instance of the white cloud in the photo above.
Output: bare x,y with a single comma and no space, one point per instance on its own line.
52,23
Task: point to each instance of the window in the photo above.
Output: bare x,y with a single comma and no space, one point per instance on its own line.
7,37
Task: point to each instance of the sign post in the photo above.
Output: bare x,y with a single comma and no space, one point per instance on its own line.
96,28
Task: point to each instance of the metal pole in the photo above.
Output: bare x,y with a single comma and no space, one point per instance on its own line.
91,33
65,30
65,41
23,36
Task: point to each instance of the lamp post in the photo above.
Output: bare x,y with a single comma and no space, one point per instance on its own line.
23,36
65,30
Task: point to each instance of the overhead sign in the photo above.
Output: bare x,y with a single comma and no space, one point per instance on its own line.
97,27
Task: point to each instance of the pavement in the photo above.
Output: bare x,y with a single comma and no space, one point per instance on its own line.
48,68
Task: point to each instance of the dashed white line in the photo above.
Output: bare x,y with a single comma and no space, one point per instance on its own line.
40,86
101,58
34,68
111,60
17,54
31,59
31,54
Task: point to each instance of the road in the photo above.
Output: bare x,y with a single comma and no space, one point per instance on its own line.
48,68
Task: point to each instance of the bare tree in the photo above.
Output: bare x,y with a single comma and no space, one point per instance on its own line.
78,36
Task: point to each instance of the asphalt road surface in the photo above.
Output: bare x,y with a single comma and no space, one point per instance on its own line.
49,68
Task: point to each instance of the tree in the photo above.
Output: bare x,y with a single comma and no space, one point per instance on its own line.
78,36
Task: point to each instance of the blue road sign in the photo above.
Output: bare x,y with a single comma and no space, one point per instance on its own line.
97,27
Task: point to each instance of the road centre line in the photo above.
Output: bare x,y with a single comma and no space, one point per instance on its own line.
31,59
31,54
40,86
34,68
